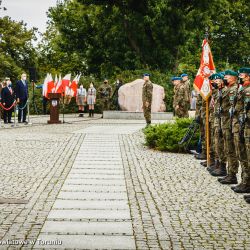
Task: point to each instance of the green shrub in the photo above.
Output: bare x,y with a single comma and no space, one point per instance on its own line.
165,137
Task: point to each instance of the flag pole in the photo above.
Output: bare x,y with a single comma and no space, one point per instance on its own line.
207,118
207,132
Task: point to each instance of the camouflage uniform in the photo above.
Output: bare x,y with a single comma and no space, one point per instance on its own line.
246,95
228,142
188,92
105,91
198,115
180,99
203,130
212,152
147,95
218,140
237,103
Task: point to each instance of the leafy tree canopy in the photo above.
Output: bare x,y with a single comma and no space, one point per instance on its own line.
105,37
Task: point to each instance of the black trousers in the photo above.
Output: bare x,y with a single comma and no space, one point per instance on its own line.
45,105
7,114
22,112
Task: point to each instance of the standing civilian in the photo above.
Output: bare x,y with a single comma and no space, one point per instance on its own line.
22,98
7,99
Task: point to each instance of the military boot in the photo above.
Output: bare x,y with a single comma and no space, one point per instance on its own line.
200,156
229,179
241,188
220,170
214,166
203,163
247,200
247,196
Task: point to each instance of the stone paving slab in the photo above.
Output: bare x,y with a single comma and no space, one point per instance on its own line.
97,170
96,176
98,163
113,130
94,188
92,196
88,227
96,182
89,214
87,242
79,204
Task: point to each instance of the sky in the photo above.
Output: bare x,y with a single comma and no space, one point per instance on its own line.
32,12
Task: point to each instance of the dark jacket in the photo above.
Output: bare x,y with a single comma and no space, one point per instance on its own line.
22,90
7,97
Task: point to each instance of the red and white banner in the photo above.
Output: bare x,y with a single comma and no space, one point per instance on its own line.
45,86
51,85
74,84
59,85
207,68
65,82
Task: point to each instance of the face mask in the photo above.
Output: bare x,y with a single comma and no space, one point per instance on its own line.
225,82
215,86
240,81
81,87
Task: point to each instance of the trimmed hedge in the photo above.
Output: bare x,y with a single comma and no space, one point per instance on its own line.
165,137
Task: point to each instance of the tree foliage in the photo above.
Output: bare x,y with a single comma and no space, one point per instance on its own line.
105,37
17,52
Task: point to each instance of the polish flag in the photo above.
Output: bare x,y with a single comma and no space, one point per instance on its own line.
55,84
59,85
74,84
51,85
207,68
65,82
45,86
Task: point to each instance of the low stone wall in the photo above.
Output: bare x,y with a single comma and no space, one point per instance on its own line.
127,115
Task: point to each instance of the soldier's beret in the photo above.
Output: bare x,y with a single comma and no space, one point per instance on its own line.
218,76
244,70
176,78
146,74
231,73
212,77
184,75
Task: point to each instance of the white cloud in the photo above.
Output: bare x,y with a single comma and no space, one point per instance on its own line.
32,12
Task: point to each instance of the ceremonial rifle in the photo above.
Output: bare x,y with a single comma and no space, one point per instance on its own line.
192,128
219,111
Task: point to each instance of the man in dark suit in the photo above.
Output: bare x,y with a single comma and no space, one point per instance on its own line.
7,99
22,97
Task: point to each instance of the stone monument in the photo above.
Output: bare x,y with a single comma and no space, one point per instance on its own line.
130,97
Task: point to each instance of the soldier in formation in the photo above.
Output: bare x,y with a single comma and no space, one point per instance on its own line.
147,96
105,91
181,100
230,129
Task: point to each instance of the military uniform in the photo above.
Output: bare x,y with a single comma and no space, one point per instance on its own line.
180,101
219,168
241,132
198,117
105,91
147,96
246,171
229,144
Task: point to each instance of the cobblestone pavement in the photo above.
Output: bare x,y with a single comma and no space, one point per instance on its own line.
174,203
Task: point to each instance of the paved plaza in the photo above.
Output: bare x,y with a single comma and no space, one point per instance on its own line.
93,184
